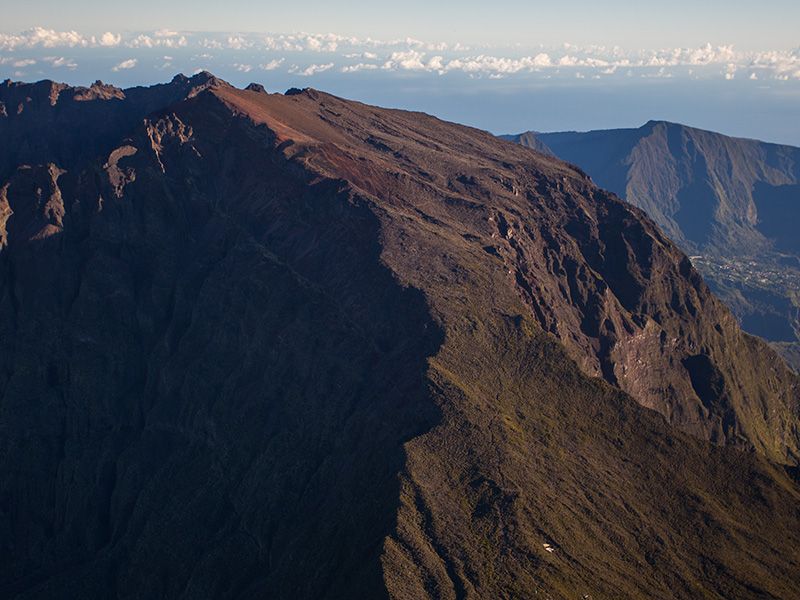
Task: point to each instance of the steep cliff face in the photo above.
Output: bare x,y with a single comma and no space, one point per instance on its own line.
295,346
593,272
53,122
732,201
707,191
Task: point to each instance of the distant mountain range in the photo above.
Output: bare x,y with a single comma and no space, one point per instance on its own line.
293,346
733,204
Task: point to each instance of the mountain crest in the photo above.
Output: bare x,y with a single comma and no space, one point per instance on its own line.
265,345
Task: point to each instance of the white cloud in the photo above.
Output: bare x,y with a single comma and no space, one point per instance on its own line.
25,62
271,65
157,40
370,56
359,67
142,41
570,60
328,42
125,64
41,37
316,43
298,42
436,64
237,42
409,60
110,39
243,68
312,69
702,56
542,60
281,43
351,54
58,62
476,65
783,65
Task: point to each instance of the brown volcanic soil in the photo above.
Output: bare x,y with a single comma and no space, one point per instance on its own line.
299,347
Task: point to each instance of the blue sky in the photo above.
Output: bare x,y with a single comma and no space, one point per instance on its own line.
504,66
768,24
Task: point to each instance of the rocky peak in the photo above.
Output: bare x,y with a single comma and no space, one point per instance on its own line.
256,87
98,91
204,79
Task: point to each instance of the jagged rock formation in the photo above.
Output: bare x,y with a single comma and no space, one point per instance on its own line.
292,346
735,201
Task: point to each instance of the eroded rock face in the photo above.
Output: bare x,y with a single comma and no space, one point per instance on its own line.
294,346
33,198
594,272
55,123
731,203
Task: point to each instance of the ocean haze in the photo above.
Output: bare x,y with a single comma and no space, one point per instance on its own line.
736,108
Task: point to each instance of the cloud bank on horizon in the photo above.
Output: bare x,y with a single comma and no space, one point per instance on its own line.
40,51
503,88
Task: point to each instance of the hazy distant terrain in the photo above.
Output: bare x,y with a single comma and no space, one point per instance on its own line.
732,204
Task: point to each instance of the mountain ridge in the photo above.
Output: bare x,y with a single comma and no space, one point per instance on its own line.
726,200
367,352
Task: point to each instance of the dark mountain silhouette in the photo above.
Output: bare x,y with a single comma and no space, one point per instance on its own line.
292,346
735,202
